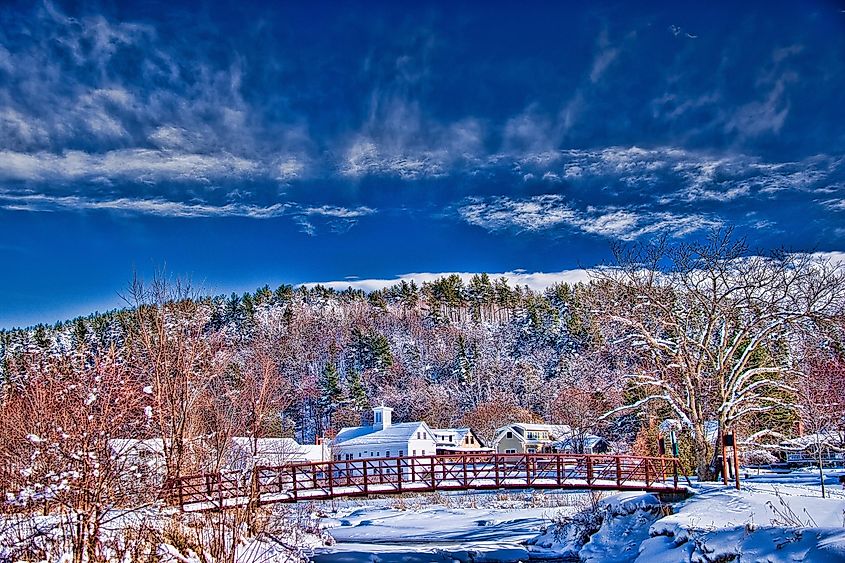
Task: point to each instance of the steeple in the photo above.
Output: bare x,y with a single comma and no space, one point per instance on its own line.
382,417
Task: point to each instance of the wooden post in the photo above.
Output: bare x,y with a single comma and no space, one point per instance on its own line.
618,471
589,470
558,470
293,478
724,460
527,470
365,476
464,460
399,473
433,478
736,460
675,463
331,478
646,461
496,469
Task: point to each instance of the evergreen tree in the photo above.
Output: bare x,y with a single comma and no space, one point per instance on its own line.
357,393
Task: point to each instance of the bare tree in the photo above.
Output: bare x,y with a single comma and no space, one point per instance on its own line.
706,325
173,349
821,405
63,449
587,389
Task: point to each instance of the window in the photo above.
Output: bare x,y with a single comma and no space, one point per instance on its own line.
372,454
509,435
423,452
415,452
419,435
510,451
532,450
401,453
359,454
387,453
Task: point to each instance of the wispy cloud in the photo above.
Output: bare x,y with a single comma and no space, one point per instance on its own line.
537,281
133,165
550,211
158,207
34,202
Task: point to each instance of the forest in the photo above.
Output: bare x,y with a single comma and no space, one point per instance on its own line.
706,335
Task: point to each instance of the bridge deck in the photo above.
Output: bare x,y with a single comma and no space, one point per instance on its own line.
383,476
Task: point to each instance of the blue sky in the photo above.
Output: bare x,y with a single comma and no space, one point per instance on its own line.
240,144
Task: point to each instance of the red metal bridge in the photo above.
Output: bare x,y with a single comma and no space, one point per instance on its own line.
397,475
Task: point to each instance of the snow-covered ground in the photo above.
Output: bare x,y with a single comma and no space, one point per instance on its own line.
449,528
774,518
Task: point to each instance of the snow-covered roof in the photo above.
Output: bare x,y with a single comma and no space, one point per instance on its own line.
455,435
590,441
135,446
268,446
827,439
350,432
367,435
556,431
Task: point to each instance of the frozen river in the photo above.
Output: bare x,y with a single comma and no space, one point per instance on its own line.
466,527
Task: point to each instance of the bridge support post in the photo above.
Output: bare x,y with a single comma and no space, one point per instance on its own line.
675,472
366,479
399,473
558,469
589,470
331,480
647,462
293,479
496,469
618,471
433,478
527,470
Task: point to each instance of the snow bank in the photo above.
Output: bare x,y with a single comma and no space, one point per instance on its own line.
609,529
776,519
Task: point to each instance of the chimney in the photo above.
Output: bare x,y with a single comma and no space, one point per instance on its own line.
382,417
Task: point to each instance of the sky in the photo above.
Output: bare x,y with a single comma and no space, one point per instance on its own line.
244,143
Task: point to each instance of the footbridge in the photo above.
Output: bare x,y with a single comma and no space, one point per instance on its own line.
397,475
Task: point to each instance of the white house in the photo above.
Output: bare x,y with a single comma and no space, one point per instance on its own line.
384,439
273,452
458,440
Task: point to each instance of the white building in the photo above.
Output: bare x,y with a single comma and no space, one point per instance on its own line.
273,452
384,439
458,441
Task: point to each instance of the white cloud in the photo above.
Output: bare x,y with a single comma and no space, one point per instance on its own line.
338,212
124,164
535,280
364,157
158,207
552,210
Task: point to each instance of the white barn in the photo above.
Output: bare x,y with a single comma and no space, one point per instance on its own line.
384,439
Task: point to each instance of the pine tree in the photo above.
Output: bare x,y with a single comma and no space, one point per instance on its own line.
357,393
331,391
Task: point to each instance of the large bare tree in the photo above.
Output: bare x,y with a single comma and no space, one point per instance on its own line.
707,327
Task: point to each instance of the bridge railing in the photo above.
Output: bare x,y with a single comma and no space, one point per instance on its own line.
392,475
